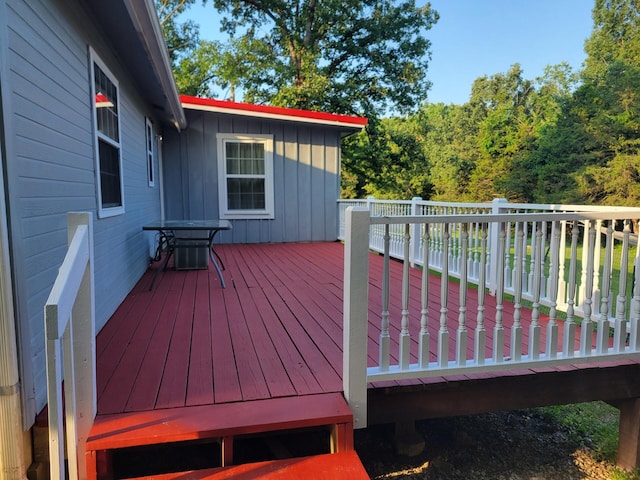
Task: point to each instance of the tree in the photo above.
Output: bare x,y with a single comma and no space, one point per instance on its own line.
615,36
182,37
501,106
386,161
362,57
449,144
195,62
608,104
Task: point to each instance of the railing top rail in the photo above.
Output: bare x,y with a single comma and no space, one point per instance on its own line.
567,208
505,205
505,217
419,202
63,293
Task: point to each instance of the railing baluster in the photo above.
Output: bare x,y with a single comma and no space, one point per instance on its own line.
562,284
481,334
498,329
634,336
423,350
554,272
595,299
385,340
602,337
569,333
443,333
405,339
453,247
586,327
516,330
543,249
525,242
461,340
534,243
582,293
70,425
534,328
475,269
508,271
620,331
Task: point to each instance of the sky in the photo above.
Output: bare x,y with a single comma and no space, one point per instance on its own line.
483,37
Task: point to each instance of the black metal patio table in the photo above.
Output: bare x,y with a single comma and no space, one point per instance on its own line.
188,236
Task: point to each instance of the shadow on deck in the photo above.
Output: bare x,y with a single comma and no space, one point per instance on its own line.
190,361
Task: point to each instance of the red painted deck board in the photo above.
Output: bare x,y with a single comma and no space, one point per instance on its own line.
225,374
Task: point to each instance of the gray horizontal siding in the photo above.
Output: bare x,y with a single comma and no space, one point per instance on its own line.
51,165
306,177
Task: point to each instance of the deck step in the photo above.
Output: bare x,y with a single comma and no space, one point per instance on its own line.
336,466
223,422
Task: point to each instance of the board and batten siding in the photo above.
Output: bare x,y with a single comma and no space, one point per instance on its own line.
306,166
51,169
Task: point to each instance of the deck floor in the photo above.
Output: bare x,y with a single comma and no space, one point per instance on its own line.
275,331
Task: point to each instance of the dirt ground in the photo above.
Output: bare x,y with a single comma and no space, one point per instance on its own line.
520,445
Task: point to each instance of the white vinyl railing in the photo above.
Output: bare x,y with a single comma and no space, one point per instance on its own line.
562,260
70,348
527,234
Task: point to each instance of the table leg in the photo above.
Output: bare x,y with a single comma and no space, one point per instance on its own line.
164,262
215,264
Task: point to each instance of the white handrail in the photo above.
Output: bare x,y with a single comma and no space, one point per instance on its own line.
69,315
525,256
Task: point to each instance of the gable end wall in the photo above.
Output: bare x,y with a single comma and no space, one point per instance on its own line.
306,177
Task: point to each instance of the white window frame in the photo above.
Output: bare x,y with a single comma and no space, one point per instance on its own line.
151,148
104,212
267,141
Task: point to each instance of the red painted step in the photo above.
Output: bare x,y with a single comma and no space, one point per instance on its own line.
223,421
331,466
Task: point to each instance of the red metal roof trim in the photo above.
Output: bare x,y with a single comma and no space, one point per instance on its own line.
292,114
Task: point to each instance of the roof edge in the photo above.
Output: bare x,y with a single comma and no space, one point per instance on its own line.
145,19
279,113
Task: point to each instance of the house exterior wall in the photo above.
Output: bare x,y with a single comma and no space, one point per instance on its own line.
50,168
306,177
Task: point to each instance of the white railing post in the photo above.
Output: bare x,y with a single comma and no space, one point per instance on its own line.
84,343
494,242
355,308
70,336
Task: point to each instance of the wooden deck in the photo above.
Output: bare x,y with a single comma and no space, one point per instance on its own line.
276,332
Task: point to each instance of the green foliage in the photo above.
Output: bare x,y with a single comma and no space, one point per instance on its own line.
386,161
615,36
350,56
596,421
445,131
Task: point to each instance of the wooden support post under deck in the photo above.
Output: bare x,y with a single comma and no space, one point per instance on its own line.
227,450
629,434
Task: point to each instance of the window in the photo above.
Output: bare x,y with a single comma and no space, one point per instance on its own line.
245,171
104,89
150,143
